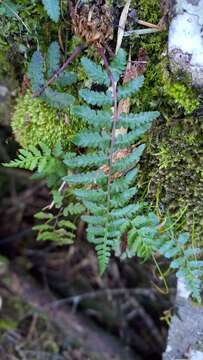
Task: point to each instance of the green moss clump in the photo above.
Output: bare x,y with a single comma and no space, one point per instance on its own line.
182,96
178,93
162,90
148,10
150,97
172,168
34,121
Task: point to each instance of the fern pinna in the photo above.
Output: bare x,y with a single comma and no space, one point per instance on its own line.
106,183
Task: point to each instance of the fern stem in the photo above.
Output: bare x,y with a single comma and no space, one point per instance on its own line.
113,135
60,70
115,108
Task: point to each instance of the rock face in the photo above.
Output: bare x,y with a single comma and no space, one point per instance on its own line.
185,45
185,339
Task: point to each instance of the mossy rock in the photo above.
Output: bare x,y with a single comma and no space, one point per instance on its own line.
172,171
34,121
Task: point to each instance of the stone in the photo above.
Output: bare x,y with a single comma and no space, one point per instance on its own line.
3,91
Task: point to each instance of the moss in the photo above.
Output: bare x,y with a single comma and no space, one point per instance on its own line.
172,169
162,90
34,121
148,11
179,93
150,97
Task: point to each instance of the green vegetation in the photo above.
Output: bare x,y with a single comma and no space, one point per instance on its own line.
104,187
172,171
35,121
100,180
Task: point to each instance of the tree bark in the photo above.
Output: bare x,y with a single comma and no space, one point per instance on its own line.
185,45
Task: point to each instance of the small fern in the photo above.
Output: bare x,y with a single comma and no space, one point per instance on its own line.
107,199
47,163
146,238
184,260
55,228
101,175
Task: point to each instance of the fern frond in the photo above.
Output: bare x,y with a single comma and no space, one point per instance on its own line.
123,183
47,163
184,260
28,159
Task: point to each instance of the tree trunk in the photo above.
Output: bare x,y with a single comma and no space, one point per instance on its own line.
185,44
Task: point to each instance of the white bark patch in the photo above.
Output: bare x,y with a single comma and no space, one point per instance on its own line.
185,44
196,355
182,290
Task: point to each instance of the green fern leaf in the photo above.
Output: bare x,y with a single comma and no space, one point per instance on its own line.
86,178
53,58
95,72
129,161
183,259
91,139
134,121
118,64
57,99
66,79
130,138
130,88
73,209
93,195
95,97
93,159
36,71
52,8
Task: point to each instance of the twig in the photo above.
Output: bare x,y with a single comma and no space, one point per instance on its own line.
60,70
141,32
147,24
50,206
104,292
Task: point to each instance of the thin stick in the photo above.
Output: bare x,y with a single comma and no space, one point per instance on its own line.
60,70
115,113
103,292
147,24
141,32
